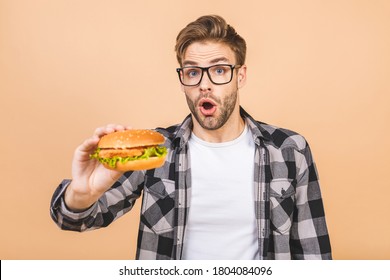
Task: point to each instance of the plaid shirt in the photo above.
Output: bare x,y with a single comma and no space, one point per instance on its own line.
288,204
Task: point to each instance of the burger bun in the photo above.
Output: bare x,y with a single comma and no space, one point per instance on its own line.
128,143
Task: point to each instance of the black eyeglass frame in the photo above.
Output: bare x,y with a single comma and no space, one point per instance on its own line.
206,69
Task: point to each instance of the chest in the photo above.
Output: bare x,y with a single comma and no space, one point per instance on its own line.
222,180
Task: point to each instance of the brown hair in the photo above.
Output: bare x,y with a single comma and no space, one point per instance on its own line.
210,28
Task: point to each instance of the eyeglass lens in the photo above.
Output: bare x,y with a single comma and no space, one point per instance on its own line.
218,74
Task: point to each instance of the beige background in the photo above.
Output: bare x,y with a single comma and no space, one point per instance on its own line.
321,68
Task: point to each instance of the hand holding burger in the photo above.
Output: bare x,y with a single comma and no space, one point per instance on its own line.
119,149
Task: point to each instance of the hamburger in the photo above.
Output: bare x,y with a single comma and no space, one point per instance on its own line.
133,149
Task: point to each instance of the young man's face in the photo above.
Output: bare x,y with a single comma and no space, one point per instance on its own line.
212,105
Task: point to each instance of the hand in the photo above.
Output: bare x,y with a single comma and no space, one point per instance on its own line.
90,179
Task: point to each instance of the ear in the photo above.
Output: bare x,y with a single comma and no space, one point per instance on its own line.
241,76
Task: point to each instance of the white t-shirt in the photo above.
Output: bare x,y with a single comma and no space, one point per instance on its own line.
221,222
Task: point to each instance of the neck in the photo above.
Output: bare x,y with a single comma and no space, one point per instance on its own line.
228,132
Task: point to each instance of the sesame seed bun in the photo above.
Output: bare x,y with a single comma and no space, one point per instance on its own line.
131,138
129,144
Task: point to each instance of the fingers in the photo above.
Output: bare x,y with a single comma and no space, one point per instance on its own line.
109,129
90,144
100,131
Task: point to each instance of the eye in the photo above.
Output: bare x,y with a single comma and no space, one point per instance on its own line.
191,72
220,70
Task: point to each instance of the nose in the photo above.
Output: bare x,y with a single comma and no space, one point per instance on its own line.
205,83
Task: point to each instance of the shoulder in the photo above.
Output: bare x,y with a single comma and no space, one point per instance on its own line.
177,134
169,132
271,135
282,138
174,134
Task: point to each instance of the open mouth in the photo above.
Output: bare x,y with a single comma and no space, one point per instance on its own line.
207,107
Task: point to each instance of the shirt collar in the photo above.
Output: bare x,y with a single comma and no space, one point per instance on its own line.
256,127
183,131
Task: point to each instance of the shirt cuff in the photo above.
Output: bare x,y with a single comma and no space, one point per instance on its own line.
58,203
76,215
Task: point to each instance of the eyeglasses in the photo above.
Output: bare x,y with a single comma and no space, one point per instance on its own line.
219,74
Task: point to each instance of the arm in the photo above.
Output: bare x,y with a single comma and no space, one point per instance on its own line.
90,178
309,234
95,195
114,203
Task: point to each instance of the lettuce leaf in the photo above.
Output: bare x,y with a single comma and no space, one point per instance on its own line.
157,151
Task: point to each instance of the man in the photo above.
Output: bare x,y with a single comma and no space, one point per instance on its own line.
231,187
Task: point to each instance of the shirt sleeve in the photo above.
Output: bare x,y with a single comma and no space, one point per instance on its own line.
309,233
114,203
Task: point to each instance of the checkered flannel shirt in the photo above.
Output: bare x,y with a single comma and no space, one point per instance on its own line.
288,204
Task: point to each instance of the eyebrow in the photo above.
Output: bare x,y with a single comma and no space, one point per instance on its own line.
215,60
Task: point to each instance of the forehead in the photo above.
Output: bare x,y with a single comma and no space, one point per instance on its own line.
206,53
